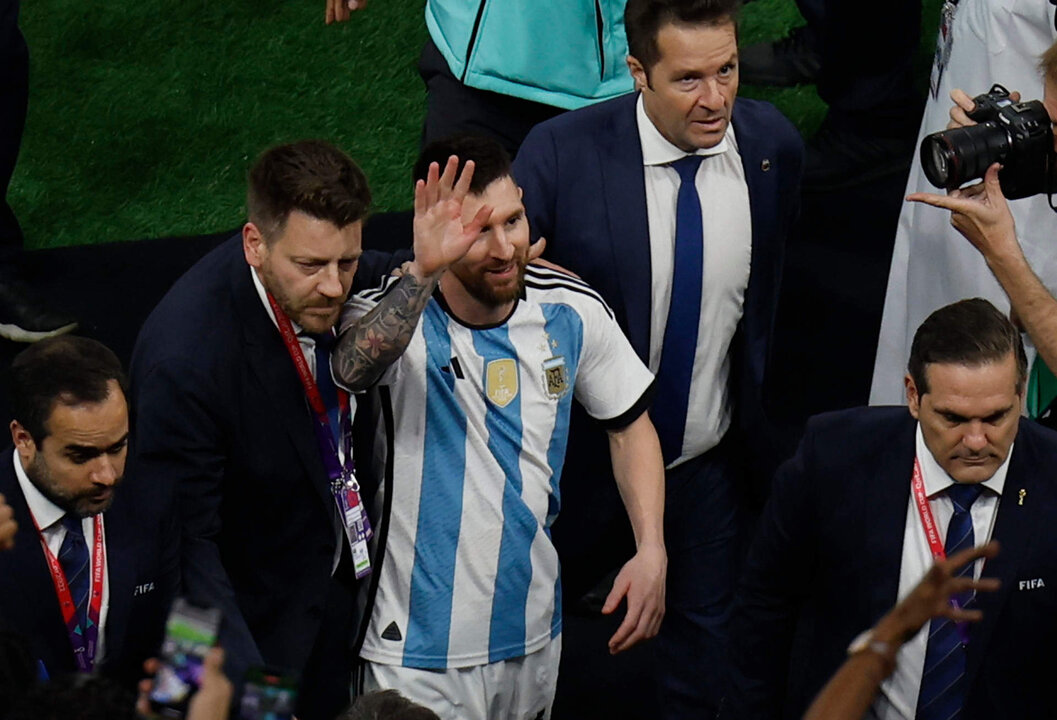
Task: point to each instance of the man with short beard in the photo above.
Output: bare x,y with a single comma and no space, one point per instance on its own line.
226,375
477,375
94,564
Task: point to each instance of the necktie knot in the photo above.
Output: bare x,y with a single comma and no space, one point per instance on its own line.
324,341
72,523
964,495
687,166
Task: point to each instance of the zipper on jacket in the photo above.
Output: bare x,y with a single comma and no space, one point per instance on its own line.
473,39
601,43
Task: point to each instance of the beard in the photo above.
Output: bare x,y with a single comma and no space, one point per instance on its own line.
306,315
81,504
480,287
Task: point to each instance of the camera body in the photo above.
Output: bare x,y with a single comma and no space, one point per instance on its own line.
1016,134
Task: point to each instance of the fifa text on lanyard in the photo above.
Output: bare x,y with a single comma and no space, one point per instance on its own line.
83,640
932,534
343,485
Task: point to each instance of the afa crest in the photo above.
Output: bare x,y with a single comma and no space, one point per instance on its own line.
555,377
500,383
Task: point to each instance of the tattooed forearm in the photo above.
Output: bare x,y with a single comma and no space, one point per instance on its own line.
366,348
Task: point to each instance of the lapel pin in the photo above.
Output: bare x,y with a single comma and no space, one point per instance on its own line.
765,164
1022,493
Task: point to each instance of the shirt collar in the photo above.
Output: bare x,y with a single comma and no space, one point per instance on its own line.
656,150
263,295
936,478
43,510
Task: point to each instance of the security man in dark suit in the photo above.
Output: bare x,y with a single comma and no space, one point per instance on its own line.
94,565
225,374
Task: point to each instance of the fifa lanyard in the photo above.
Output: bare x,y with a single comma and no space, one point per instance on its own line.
932,534
342,475
83,640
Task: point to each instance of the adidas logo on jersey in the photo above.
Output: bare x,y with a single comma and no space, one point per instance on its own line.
392,633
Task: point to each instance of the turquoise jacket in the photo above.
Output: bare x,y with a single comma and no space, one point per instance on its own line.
566,53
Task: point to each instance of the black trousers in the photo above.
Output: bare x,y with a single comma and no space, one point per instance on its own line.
453,108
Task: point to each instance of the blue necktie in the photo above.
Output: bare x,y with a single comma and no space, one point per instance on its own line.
324,344
684,314
943,679
73,556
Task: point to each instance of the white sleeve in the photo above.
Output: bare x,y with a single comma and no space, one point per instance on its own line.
612,383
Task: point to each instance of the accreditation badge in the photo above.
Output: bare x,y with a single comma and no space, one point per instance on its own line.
555,377
500,383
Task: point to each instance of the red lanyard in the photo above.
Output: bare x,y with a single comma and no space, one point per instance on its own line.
928,523
315,400
84,641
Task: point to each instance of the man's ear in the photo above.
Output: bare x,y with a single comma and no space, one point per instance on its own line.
253,246
638,73
913,397
24,443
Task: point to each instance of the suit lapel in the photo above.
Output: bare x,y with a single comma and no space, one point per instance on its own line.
274,370
121,573
30,604
624,194
886,498
1015,528
762,180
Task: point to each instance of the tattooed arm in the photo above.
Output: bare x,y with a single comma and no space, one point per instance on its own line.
369,345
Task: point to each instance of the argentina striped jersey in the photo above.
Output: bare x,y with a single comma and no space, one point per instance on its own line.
480,418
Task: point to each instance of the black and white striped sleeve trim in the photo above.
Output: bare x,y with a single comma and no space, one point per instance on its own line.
540,278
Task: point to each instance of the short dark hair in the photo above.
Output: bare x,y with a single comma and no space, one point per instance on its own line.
67,369
386,705
311,176
491,161
643,20
969,332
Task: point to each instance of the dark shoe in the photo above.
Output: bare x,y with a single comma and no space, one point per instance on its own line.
24,317
793,60
841,158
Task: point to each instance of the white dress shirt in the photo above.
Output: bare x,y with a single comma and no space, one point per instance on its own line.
308,349
898,698
727,223
48,517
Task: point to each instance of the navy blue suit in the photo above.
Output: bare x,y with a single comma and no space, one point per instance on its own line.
825,566
142,564
584,188
221,415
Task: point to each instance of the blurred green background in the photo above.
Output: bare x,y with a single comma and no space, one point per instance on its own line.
144,116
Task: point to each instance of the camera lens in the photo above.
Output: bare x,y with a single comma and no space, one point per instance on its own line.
954,157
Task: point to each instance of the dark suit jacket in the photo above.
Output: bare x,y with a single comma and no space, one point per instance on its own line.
826,560
143,572
221,415
585,191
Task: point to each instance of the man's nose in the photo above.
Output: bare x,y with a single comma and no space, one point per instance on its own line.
330,282
502,248
975,438
104,471
711,98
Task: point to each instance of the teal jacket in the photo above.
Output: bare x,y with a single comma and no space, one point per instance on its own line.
567,54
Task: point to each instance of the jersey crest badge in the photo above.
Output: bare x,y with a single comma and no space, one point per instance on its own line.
500,383
555,377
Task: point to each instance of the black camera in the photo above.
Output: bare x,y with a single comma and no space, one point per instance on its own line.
1016,134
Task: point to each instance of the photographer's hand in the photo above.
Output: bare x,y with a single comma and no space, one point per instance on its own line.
981,214
963,105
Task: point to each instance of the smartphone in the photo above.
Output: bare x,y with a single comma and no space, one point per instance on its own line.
190,632
269,694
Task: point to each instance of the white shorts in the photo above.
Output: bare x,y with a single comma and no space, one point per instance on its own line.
517,689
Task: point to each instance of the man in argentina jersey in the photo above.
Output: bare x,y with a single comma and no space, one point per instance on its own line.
466,618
